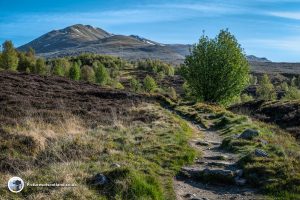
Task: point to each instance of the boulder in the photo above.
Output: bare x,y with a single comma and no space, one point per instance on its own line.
239,172
260,153
249,134
218,176
99,179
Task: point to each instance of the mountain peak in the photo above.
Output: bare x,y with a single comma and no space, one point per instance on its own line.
253,58
70,36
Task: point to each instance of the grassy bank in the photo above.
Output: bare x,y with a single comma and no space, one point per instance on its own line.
278,173
139,158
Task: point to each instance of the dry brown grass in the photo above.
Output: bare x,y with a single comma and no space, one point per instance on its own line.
41,131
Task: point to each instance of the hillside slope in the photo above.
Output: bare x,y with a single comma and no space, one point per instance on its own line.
78,39
54,130
113,144
285,114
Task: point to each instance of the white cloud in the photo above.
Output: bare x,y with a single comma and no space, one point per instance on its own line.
288,15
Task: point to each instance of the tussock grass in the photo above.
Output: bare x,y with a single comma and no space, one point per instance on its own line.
151,148
278,174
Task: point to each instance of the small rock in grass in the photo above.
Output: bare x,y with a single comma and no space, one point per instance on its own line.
249,134
260,153
115,165
189,195
239,172
202,143
240,181
264,142
220,157
99,179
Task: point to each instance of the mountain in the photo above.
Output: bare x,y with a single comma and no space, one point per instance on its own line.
77,39
253,58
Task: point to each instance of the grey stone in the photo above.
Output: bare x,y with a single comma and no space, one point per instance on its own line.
190,171
214,142
189,195
202,143
264,142
220,157
249,134
240,181
115,165
218,175
260,153
99,179
239,172
219,163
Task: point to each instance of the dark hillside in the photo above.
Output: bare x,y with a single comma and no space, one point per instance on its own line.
285,114
24,95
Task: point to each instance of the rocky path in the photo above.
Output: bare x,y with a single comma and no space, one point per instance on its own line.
213,176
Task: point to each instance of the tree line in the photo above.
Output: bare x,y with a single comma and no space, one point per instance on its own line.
101,69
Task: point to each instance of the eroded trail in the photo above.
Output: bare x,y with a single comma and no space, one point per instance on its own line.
213,176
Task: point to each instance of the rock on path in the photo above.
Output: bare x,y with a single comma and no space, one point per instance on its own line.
215,175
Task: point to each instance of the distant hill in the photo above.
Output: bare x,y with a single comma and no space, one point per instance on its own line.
78,39
253,58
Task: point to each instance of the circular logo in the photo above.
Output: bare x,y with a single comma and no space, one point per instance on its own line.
15,184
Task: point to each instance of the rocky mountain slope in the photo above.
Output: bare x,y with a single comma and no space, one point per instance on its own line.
78,39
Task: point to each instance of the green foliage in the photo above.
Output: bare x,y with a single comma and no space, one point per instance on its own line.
149,84
284,86
266,89
132,185
119,86
61,67
246,98
156,66
87,74
74,72
172,93
187,90
293,93
217,69
101,74
107,61
40,66
252,79
58,70
295,82
9,56
135,85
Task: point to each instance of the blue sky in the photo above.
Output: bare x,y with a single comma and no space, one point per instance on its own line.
265,28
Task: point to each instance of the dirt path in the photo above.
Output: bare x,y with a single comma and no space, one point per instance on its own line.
216,166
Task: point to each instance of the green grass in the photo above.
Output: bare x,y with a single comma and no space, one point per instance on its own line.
150,154
277,175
